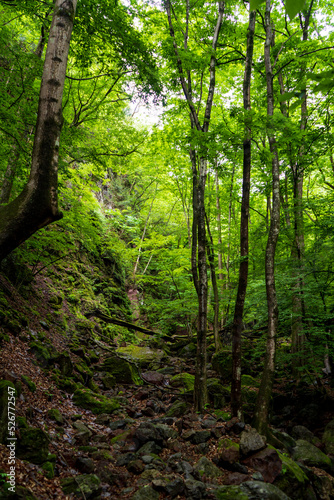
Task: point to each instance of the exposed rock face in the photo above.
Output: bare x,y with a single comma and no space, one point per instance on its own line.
310,455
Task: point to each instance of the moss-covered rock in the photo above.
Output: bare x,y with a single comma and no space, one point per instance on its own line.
83,486
29,383
328,438
292,479
49,470
222,363
123,371
178,409
249,381
21,493
250,490
7,390
65,364
55,415
310,455
43,355
184,381
143,356
108,381
33,445
96,403
218,394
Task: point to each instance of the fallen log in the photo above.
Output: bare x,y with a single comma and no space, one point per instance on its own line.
130,326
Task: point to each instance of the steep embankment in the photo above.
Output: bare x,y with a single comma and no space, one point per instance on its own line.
97,417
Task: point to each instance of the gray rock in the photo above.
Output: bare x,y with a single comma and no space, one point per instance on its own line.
84,486
177,409
146,493
194,490
200,437
250,490
250,442
85,465
301,432
207,468
149,447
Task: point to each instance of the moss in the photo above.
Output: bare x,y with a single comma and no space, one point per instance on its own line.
84,486
120,437
123,371
292,480
55,415
29,383
230,493
144,356
248,381
49,470
186,381
42,353
217,393
96,403
22,423
33,445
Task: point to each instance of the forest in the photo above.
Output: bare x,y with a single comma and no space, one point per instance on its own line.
166,247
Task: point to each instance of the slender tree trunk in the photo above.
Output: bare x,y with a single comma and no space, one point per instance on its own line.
37,205
199,270
261,417
243,268
211,259
219,227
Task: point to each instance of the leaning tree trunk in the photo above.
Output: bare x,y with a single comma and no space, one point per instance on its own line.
37,205
243,268
261,417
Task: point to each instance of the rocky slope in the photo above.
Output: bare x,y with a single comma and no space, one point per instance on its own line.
97,417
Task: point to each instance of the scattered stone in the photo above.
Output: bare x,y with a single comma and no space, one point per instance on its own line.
301,432
85,465
54,414
229,451
250,490
136,466
235,478
205,467
83,486
154,378
194,490
146,493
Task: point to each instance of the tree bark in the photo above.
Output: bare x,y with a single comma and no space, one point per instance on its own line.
243,268
261,417
37,205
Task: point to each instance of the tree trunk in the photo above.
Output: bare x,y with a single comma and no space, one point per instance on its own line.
243,268
219,227
199,268
261,417
211,259
37,205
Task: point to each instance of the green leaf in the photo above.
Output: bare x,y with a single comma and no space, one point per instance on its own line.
286,96
254,4
293,7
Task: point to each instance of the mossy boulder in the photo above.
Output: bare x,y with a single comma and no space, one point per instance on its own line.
7,388
222,363
184,381
218,394
143,356
43,355
55,415
49,470
250,490
249,381
108,381
83,486
123,371
328,438
96,403
21,493
33,445
65,364
292,479
310,455
29,383
229,452
178,409
205,467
